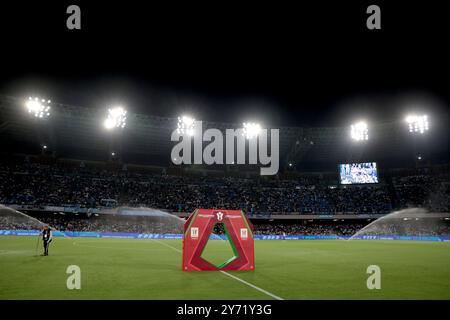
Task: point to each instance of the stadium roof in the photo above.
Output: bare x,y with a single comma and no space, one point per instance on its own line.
77,132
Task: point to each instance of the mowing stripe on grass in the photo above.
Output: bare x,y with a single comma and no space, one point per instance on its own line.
229,275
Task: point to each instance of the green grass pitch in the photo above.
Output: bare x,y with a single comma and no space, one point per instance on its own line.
296,269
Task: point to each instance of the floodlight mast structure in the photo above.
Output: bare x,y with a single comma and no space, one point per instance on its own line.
186,125
359,131
115,122
38,107
39,110
417,126
251,130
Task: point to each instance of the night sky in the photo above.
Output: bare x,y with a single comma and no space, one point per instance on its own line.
308,65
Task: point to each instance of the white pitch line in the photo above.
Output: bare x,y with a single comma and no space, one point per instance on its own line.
252,286
230,275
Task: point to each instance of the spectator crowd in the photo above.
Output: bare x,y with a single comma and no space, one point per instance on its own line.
52,185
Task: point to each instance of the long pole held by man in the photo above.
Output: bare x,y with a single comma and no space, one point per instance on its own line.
37,242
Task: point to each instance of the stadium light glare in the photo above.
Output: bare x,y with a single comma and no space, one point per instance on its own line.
359,131
251,130
417,124
186,125
117,118
40,108
44,147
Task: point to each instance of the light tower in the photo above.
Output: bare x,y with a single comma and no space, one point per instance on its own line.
116,118
186,125
115,122
359,131
38,110
38,107
251,130
417,124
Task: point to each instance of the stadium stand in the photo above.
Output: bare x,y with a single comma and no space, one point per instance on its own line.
57,185
141,175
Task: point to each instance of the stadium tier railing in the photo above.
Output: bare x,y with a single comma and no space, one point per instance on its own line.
71,234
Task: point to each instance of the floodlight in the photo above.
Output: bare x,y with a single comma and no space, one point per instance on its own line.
359,131
44,147
251,130
117,118
40,108
186,125
417,124
113,154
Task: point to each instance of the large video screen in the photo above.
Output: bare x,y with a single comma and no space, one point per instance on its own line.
355,173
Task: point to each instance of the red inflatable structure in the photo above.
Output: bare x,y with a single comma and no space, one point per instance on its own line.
197,231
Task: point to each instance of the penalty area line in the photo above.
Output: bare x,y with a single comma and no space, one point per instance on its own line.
229,275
